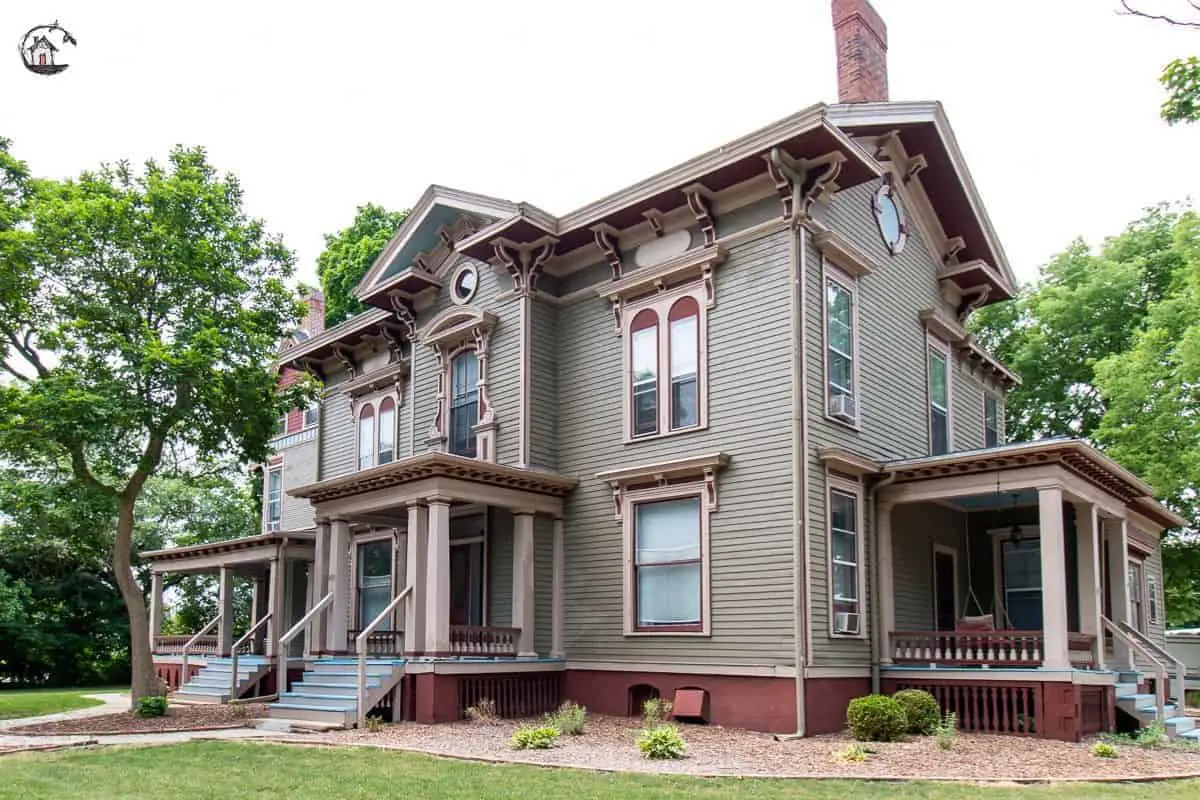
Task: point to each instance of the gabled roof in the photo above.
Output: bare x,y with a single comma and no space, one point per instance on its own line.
925,130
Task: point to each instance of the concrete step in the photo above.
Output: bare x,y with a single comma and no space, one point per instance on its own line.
1125,689
292,725
1192,735
318,687
201,696
342,701
1129,677
343,717
352,669
1177,726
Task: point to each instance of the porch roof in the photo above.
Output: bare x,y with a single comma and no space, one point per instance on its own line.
261,547
1073,455
436,465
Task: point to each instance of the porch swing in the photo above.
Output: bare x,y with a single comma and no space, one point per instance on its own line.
981,621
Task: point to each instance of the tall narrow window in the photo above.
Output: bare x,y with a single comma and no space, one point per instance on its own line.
311,415
387,430
1137,595
274,498
1152,599
643,344
839,337
668,564
939,403
464,403
844,545
684,321
366,437
991,421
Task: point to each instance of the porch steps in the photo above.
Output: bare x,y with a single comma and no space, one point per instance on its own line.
327,695
213,682
1144,709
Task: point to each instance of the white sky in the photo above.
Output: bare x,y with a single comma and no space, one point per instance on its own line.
321,107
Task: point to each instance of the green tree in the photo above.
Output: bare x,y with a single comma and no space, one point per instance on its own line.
138,314
348,255
1181,77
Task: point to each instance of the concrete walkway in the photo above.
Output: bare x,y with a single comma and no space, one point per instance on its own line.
114,703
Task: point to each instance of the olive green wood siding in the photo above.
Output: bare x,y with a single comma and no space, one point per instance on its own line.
299,468
338,443
916,528
543,414
749,396
543,572
500,572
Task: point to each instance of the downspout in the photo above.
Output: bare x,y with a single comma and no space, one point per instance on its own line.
876,600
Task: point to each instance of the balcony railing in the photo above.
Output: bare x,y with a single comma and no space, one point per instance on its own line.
984,648
379,643
484,642
170,645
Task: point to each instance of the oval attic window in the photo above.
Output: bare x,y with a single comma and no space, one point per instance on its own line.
466,280
892,225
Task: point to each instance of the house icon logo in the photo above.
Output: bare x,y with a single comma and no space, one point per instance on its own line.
42,48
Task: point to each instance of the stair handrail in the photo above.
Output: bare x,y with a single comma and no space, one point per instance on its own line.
183,675
1160,669
303,624
233,662
360,645
1163,655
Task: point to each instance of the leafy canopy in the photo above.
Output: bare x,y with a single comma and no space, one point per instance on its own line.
348,255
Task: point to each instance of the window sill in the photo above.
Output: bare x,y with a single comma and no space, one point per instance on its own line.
855,426
650,437
862,637
692,632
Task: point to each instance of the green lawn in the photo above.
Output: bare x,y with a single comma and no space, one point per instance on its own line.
35,702
221,771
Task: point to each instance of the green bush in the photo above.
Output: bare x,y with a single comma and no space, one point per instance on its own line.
661,742
152,706
876,718
569,718
1104,750
655,711
945,731
534,737
1153,735
921,710
855,753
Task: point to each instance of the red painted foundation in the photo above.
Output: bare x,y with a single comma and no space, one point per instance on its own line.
436,698
171,674
825,702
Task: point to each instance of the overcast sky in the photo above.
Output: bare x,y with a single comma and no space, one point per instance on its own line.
321,107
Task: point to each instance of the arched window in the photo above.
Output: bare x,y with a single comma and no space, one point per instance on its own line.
464,403
387,431
684,343
643,360
366,437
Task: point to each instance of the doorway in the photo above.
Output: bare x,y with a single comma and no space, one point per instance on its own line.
945,587
468,583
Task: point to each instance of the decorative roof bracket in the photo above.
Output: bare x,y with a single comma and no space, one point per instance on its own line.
346,359
404,314
972,300
607,239
699,200
524,262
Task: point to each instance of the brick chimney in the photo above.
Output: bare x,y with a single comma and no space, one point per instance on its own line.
314,318
861,52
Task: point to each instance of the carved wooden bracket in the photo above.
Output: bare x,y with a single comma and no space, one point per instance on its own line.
524,262
914,166
394,342
820,176
699,200
783,186
346,359
404,314
952,248
607,239
972,300
655,218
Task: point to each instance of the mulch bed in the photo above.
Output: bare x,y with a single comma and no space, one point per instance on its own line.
178,718
609,744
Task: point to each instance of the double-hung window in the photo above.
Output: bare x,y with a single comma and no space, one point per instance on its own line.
939,400
841,388
666,356
274,498
991,420
464,403
366,437
387,431
1152,600
668,565
845,550
1137,594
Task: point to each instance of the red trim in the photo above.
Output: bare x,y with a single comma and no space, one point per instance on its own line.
693,628
385,405
684,308
644,320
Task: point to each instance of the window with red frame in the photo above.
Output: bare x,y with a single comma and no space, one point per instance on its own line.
387,431
366,437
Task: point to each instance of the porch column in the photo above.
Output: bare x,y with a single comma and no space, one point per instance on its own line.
522,584
1117,535
337,621
415,567
1056,654
276,607
437,576
258,602
884,554
558,594
156,607
225,607
1088,563
314,639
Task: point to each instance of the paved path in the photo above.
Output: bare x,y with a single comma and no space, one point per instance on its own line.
114,703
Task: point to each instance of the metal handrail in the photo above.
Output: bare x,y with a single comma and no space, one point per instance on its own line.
1163,655
233,663
360,645
1160,688
294,631
183,676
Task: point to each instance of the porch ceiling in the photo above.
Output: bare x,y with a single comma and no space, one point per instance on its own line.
246,553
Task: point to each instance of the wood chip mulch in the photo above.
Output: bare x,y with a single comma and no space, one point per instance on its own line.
178,718
608,743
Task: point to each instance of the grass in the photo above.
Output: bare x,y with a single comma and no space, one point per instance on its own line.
221,770
16,703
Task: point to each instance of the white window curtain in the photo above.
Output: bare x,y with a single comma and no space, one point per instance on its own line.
668,562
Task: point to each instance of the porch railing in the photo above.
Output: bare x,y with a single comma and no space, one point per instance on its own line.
360,644
983,648
194,642
1168,660
173,644
483,641
245,641
301,627
379,643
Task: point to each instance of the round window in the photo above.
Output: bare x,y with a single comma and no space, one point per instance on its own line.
890,216
466,280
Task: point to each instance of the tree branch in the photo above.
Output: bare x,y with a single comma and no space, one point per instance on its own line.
28,353
1182,23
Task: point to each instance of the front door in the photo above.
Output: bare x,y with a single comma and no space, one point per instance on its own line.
944,590
467,584
1022,572
374,567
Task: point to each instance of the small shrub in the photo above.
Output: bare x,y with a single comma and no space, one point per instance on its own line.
374,723
656,711
151,706
661,742
876,718
946,730
569,718
483,712
1104,750
1153,735
534,737
855,752
921,709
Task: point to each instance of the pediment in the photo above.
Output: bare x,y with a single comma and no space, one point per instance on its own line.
456,325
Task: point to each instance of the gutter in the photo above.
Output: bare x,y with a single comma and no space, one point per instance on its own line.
876,600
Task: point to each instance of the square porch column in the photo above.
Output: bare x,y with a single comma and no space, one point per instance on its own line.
225,608
884,558
522,585
1088,562
276,588
156,607
415,569
558,594
1056,653
258,608
437,587
1116,533
337,621
314,639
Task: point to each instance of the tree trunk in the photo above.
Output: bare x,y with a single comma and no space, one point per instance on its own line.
144,682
